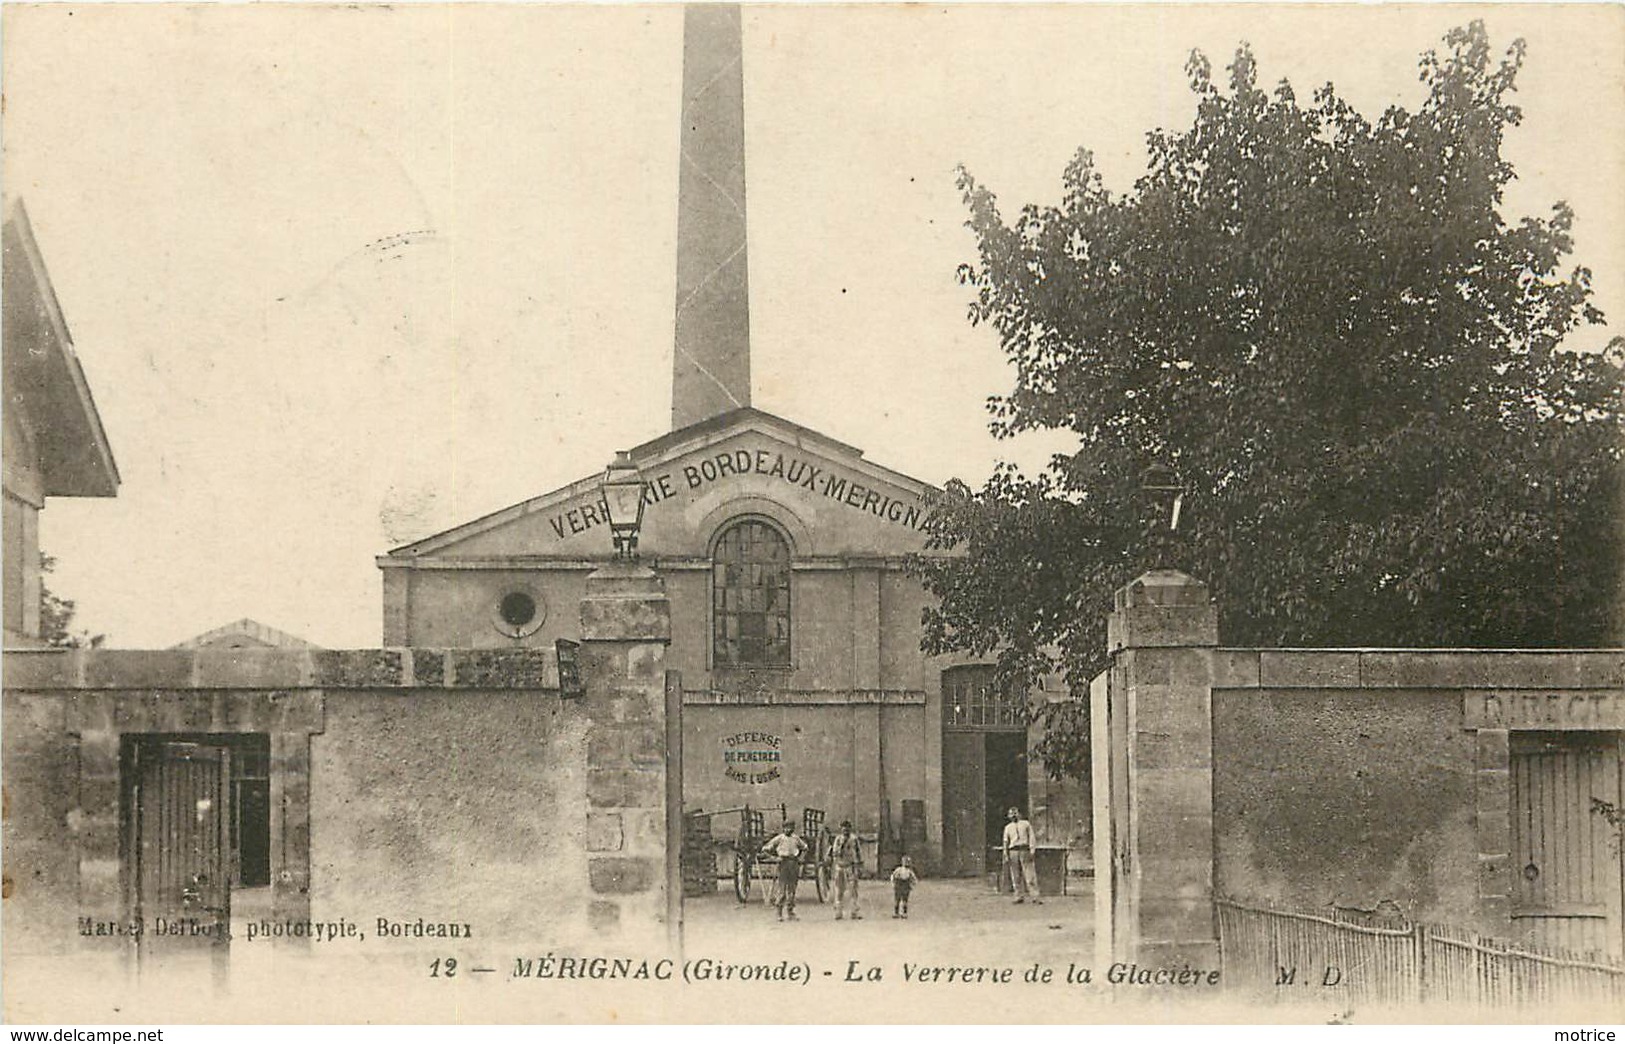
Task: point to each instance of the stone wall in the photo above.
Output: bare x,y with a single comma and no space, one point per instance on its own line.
1310,778
441,786
1351,777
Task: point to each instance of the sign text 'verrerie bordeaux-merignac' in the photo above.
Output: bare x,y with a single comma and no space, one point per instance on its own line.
819,479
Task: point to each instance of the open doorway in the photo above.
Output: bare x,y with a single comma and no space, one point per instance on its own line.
984,766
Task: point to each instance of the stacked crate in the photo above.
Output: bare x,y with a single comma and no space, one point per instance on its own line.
699,859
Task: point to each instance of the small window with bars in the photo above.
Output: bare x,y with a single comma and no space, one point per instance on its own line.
750,597
973,699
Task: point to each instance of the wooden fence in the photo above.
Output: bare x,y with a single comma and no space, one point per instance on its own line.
1388,961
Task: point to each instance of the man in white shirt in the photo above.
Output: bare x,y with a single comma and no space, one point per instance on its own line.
846,862
1018,856
789,849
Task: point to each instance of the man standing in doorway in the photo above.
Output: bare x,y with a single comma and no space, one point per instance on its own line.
845,861
1018,856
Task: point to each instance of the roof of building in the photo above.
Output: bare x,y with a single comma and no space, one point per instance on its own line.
734,419
43,376
672,444
245,634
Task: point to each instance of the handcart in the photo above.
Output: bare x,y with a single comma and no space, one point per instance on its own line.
751,864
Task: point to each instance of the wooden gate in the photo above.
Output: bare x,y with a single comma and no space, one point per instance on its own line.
1566,859
181,852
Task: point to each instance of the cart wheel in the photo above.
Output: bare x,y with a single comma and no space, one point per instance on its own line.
742,878
821,879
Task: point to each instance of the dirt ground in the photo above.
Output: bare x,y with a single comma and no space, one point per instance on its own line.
950,920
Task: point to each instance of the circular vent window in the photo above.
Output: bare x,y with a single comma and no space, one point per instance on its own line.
519,612
518,608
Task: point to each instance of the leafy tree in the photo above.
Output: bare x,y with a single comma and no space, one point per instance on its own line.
56,616
1324,324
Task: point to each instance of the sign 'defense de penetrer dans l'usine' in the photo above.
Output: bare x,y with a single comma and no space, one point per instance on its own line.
752,757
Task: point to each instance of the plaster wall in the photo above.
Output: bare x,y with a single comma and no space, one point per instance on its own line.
828,756
902,665
851,627
24,497
1313,778
41,880
1346,797
453,805
19,461
690,649
903,763
450,807
814,768
21,569
455,608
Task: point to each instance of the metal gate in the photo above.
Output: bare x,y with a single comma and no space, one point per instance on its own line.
1566,858
181,847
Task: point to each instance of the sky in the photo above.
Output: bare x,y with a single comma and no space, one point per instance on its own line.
341,278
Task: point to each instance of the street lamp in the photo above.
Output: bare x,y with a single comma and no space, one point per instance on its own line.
622,491
1162,490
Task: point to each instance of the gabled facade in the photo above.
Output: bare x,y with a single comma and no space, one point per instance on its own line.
833,510
54,443
794,626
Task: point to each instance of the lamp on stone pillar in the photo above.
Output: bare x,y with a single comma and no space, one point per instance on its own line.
1162,490
1151,755
633,712
623,498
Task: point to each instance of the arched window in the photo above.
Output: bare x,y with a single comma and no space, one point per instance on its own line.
750,597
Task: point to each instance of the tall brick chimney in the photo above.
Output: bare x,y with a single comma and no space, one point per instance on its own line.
711,363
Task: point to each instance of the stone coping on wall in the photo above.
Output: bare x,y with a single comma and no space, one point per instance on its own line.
803,697
487,669
1418,668
658,563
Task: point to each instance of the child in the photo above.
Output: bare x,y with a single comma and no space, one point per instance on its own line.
902,882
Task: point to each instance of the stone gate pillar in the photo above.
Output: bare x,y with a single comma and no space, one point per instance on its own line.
1152,734
625,629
